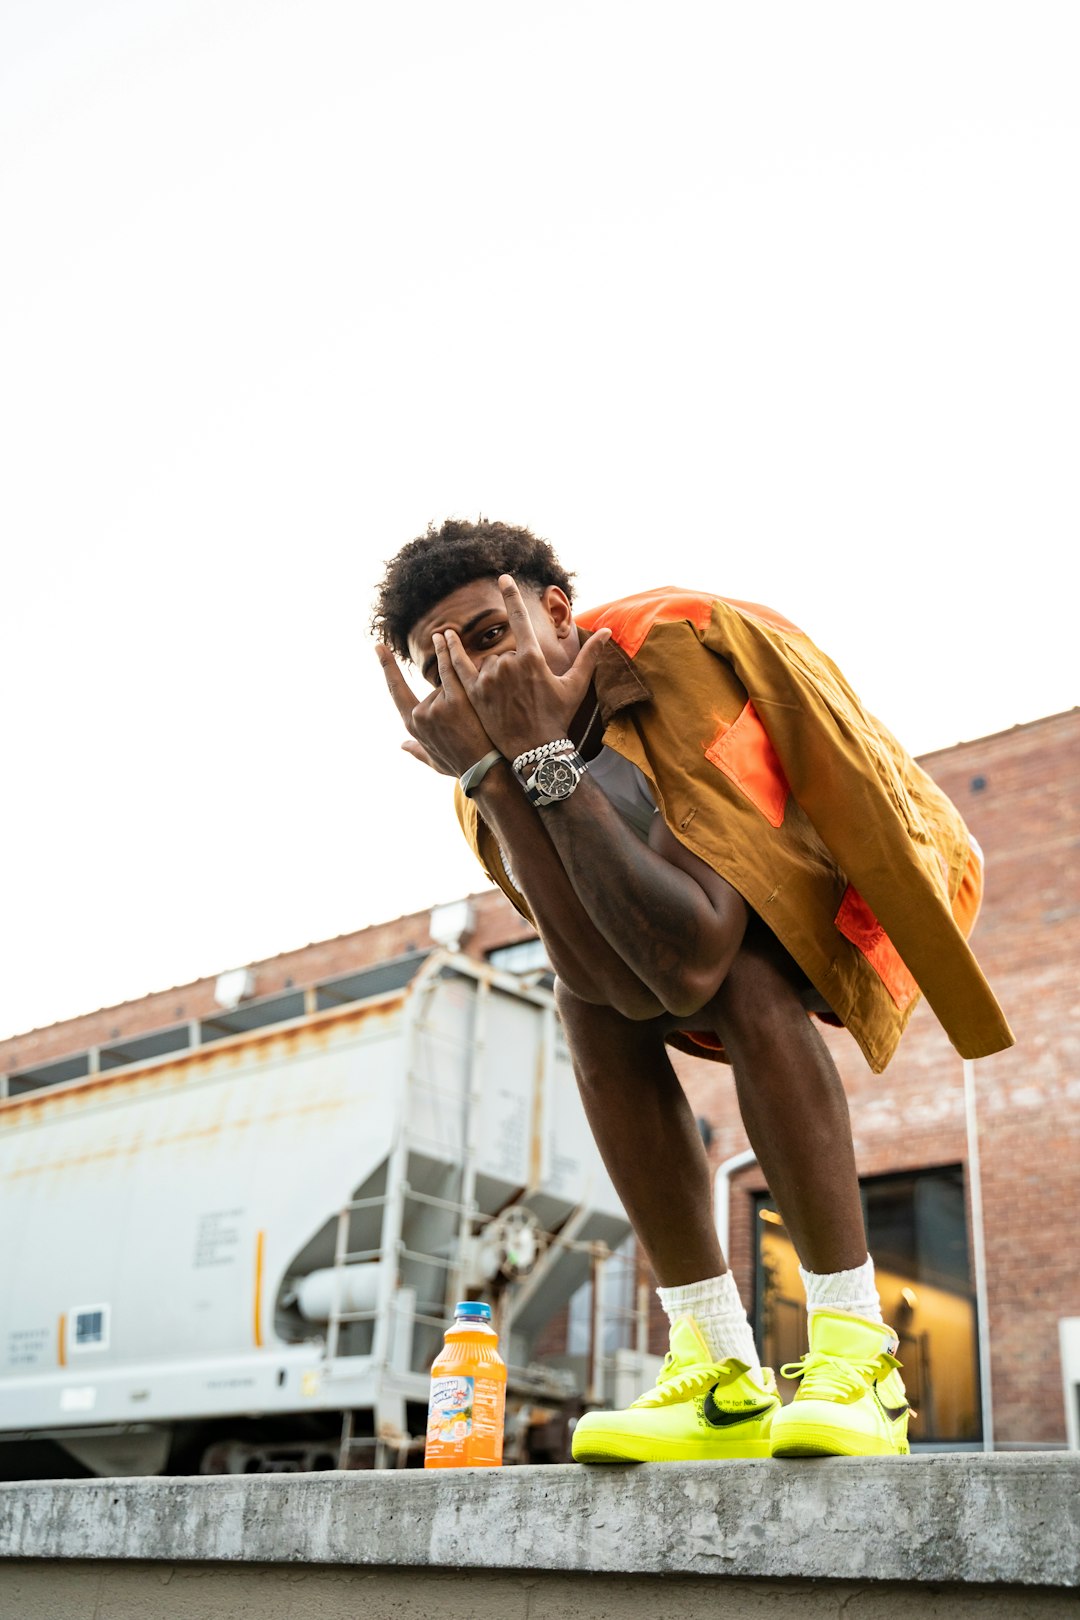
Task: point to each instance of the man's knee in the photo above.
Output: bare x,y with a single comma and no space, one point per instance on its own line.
576,1012
573,1007
759,1004
600,1037
570,1006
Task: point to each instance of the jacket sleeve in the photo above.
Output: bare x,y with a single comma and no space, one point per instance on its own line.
485,846
854,782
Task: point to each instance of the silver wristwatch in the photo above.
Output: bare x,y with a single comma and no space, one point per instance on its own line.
555,778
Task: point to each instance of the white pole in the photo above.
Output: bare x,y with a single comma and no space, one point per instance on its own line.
722,1195
978,1246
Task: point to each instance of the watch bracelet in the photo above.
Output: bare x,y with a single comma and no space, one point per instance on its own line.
533,756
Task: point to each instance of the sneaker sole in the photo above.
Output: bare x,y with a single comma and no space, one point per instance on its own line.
816,1440
623,1449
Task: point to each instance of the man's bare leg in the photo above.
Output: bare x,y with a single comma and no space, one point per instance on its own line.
647,1137
717,1403
792,1102
793,1105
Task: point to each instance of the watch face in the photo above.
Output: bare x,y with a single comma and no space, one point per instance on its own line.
556,778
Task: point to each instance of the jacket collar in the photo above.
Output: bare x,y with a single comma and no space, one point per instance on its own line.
617,682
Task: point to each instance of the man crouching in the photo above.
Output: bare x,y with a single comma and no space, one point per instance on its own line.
714,841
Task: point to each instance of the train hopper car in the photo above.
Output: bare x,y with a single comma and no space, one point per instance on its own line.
242,1255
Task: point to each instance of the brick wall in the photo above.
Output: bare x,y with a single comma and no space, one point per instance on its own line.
1019,792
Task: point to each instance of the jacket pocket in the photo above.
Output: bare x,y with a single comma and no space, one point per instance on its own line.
747,758
857,923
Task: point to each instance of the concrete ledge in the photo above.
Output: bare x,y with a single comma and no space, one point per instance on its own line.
192,1591
950,1519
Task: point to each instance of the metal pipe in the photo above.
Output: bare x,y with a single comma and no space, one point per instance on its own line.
978,1249
524,1290
332,1292
594,1394
454,1205
643,1301
341,1241
722,1195
397,1166
456,1277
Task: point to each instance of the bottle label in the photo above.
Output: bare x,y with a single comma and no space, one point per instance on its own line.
450,1413
489,1401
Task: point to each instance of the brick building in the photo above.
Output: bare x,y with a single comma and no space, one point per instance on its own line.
1019,792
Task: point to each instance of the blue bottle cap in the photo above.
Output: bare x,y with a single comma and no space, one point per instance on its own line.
473,1307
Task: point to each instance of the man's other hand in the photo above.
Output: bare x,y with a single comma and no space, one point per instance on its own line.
444,731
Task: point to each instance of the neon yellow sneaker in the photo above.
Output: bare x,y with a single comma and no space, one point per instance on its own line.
699,1409
851,1402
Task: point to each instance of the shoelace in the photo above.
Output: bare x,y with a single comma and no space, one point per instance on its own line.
829,1378
674,1386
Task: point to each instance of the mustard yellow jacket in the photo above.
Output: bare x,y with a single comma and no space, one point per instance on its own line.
765,764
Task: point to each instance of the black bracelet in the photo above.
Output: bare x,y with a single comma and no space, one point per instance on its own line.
475,774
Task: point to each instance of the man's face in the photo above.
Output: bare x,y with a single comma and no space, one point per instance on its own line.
477,613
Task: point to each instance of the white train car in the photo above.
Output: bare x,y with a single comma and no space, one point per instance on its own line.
228,1257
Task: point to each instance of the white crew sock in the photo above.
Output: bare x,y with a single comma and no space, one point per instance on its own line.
718,1311
852,1291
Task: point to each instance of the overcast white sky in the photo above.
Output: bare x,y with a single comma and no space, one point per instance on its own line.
777,300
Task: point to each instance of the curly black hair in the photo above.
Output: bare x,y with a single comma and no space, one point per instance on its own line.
438,562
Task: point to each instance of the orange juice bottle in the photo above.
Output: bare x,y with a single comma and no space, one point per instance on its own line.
468,1394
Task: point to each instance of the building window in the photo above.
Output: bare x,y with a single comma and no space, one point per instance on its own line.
916,1227
526,956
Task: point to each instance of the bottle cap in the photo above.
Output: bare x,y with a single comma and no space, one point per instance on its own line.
473,1307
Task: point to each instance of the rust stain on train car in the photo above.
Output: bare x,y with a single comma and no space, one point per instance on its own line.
315,1033
178,1138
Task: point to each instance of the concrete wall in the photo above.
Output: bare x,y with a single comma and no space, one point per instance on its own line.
944,1535
295,1592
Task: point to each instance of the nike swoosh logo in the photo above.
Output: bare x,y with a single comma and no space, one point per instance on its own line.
718,1418
893,1412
